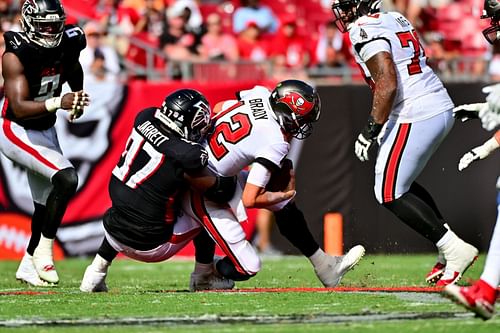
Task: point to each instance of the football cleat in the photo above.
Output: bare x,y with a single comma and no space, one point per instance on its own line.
337,266
436,273
210,281
479,298
26,272
44,262
93,281
459,257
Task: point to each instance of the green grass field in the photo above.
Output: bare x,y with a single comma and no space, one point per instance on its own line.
154,298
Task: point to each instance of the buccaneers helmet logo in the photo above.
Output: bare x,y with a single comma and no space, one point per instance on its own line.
297,103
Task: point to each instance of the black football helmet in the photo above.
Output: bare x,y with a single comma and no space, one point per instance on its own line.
186,112
348,11
296,106
43,21
492,11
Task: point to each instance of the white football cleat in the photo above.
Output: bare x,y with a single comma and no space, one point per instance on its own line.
26,272
93,281
210,281
44,261
337,266
459,257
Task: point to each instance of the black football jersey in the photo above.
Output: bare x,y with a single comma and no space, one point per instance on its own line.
46,69
146,181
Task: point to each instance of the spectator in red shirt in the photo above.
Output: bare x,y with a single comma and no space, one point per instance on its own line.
217,45
250,44
288,48
332,50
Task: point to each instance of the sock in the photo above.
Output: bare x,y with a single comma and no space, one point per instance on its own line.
200,268
447,237
292,224
418,215
36,227
106,251
318,258
64,186
491,272
45,244
100,264
204,248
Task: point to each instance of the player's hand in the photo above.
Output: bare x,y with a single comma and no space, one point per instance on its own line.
475,154
75,102
493,98
467,112
362,146
489,119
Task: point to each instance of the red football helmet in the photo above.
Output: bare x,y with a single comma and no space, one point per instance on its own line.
296,105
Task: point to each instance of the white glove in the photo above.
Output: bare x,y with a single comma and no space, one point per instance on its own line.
489,119
493,97
361,147
478,153
466,112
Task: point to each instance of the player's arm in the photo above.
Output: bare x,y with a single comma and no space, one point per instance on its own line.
75,78
256,193
17,92
480,152
383,73
215,188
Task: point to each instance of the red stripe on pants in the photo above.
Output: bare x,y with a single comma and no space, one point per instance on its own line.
18,142
395,155
200,211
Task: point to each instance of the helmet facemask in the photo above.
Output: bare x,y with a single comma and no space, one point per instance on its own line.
492,11
44,29
201,125
345,12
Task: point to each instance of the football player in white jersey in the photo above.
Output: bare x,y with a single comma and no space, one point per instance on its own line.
411,115
481,296
256,129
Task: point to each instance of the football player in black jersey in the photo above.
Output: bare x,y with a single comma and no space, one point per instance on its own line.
36,63
162,157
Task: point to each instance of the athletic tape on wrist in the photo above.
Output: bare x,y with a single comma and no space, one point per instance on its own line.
52,104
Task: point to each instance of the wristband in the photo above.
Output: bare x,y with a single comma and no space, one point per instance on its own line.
52,104
491,145
372,129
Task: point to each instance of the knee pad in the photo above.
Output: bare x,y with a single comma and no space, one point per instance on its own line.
65,181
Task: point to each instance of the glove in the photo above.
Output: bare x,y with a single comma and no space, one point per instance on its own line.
361,147
489,119
366,138
493,98
467,112
478,153
80,100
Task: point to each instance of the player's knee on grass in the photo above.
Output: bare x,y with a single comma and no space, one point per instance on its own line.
227,269
65,182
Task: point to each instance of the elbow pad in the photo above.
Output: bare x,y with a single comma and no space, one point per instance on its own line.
223,189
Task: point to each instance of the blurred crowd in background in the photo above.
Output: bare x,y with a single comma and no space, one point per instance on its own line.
208,40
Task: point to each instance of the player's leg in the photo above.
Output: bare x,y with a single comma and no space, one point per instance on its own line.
94,278
241,261
205,275
26,271
48,172
404,152
329,269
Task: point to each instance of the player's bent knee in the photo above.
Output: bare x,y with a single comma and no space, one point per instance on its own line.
65,181
227,269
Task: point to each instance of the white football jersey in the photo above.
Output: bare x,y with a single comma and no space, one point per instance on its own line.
393,33
244,132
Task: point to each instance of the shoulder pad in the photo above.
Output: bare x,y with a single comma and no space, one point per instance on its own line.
366,28
15,41
195,157
144,115
74,38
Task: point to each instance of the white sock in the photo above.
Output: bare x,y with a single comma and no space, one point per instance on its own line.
100,264
45,243
200,268
448,236
318,258
491,273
